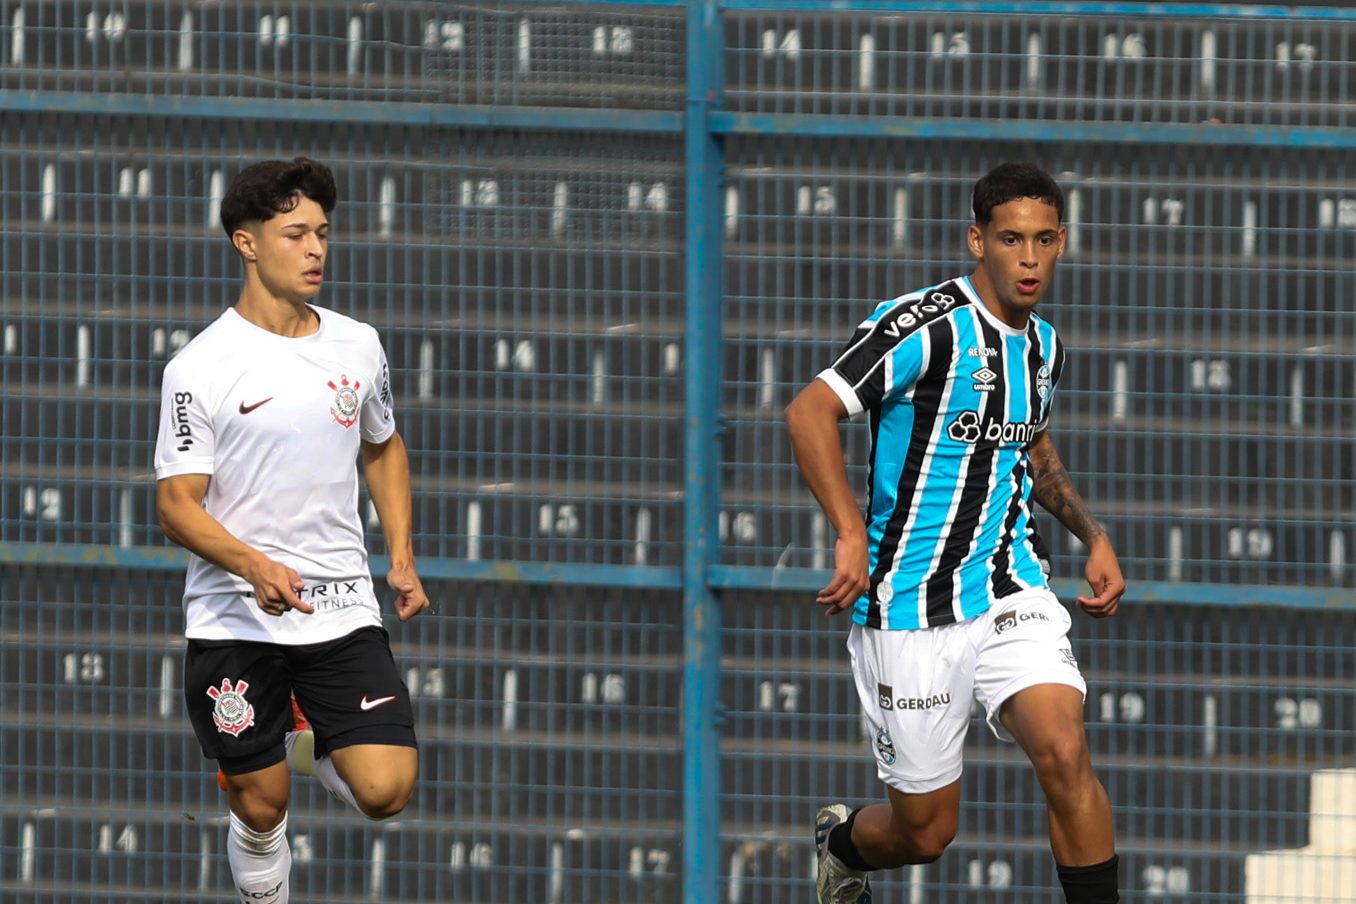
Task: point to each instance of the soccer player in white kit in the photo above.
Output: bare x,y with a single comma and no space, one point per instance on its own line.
944,575
263,418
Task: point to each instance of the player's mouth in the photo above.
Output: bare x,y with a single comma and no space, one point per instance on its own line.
314,277
1028,286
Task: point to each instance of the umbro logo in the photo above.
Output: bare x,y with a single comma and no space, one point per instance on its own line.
366,704
246,409
984,379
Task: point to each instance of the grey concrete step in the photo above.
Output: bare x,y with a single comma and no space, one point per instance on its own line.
608,774
472,56
1301,719
1114,68
421,859
339,856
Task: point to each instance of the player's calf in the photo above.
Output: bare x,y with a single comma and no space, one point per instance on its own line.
871,838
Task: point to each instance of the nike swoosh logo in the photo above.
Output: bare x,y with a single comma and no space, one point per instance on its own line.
367,704
246,409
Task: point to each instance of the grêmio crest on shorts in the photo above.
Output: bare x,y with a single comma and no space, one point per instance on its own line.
953,398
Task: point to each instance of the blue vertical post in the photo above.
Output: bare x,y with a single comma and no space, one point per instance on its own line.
701,479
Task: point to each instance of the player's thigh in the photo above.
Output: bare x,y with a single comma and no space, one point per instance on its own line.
1023,643
380,767
352,694
237,695
915,689
1044,716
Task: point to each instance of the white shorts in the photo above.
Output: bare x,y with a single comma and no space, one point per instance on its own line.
916,686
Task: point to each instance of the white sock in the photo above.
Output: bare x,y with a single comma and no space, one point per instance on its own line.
260,862
329,777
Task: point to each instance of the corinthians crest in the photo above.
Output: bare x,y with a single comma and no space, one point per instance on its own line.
345,407
232,712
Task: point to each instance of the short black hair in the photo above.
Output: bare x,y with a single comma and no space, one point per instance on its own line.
1011,181
263,190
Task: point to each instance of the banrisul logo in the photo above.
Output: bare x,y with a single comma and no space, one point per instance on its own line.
969,428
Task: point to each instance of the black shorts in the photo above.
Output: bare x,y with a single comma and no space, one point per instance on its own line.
238,695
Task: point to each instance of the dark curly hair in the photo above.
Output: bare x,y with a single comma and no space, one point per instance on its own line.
1011,181
263,190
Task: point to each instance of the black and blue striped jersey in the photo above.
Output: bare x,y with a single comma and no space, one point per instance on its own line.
954,397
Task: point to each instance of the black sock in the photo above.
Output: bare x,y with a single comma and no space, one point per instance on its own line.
841,846
1096,884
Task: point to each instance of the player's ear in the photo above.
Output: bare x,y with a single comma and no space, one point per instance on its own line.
1063,239
244,243
974,240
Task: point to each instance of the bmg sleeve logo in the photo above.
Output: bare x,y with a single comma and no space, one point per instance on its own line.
183,431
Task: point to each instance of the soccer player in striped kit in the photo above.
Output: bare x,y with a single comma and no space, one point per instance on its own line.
263,418
945,574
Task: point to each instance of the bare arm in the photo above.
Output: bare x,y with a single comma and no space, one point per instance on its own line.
1052,488
178,505
386,467
812,421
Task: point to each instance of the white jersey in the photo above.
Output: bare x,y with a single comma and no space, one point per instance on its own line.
276,422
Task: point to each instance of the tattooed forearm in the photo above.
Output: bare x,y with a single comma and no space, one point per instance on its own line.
1052,488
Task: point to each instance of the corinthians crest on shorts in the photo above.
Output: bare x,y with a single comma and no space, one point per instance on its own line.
232,712
345,407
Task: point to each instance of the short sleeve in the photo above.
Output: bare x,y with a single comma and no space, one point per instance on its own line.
879,360
378,415
185,442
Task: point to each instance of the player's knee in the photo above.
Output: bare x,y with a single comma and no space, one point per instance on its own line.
922,845
384,799
1062,759
260,814
260,807
928,845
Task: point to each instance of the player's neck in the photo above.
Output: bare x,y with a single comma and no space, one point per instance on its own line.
1016,317
286,317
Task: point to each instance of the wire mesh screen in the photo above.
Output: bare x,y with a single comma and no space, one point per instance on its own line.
1133,67
526,53
549,752
526,286
1207,407
1223,736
